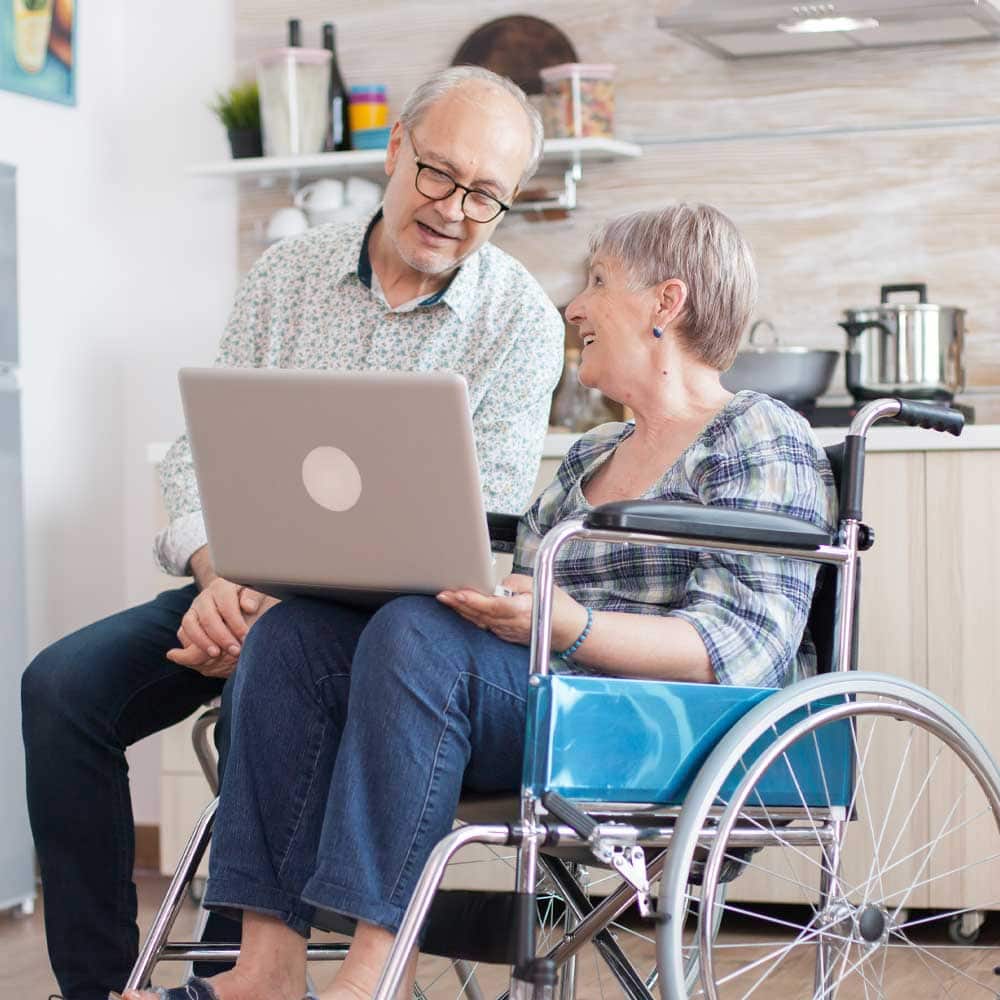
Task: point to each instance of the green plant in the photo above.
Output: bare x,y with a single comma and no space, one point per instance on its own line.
238,107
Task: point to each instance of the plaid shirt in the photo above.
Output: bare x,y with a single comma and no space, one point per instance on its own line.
750,611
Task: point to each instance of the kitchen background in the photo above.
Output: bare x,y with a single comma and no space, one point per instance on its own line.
845,170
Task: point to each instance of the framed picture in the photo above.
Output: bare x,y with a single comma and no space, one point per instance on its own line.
38,48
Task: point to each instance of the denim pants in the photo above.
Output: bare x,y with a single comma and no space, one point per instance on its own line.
84,700
352,736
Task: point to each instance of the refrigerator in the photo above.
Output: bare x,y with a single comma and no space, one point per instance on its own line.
17,882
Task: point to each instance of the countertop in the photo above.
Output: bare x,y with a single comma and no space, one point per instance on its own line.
976,437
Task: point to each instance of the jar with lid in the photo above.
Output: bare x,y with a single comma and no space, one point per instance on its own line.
575,407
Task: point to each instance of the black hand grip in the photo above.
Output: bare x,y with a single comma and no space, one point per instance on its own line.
567,812
920,288
930,415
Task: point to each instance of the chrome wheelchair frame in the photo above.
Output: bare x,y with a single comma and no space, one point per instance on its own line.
714,803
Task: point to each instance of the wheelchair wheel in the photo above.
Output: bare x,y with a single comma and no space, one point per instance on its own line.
883,812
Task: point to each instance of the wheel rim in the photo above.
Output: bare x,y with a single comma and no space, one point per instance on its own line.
918,853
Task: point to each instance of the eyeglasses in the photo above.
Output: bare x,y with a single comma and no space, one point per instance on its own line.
478,206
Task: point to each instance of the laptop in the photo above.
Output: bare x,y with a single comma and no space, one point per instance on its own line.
350,486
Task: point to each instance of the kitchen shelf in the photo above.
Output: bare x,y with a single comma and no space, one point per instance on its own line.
361,162
571,154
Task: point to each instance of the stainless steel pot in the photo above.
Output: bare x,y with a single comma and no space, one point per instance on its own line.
795,375
910,349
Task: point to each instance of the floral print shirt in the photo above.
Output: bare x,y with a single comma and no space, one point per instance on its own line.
309,302
750,611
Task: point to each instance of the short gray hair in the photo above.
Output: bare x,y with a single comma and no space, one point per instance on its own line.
702,247
434,88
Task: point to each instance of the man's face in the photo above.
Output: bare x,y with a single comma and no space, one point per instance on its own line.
479,137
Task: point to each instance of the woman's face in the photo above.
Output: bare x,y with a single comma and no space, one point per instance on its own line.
614,325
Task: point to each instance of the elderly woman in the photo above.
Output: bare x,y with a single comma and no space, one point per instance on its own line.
355,732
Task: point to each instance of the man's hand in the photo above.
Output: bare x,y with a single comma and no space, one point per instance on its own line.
215,626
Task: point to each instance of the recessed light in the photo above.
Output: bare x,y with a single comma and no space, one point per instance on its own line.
815,24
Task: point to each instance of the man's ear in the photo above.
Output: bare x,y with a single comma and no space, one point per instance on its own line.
672,295
392,150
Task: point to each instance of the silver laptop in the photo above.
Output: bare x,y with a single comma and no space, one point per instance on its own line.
351,486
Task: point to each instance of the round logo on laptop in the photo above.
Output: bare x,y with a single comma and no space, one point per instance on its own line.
331,478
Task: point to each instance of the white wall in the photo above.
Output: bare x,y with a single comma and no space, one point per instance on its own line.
126,272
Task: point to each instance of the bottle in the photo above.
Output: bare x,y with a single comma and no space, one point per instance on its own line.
339,133
568,397
294,33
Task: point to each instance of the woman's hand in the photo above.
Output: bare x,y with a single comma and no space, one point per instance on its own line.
509,618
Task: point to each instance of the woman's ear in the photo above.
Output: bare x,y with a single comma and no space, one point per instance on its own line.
672,297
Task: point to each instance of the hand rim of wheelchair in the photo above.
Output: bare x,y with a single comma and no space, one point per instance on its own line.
923,709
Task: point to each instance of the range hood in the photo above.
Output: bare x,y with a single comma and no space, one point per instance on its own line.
738,29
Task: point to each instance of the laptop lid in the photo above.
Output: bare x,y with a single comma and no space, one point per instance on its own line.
357,486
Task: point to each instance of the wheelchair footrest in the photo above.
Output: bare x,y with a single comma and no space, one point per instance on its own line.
473,925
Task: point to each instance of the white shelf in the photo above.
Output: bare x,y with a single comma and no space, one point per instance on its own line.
369,162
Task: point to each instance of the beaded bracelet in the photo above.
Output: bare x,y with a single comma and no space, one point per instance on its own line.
567,653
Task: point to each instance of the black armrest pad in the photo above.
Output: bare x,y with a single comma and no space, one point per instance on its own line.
691,520
503,531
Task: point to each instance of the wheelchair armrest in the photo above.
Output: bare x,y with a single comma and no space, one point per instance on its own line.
503,531
692,520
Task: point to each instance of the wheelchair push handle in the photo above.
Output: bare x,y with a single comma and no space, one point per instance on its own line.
931,416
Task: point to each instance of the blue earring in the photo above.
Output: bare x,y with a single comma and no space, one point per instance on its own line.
657,332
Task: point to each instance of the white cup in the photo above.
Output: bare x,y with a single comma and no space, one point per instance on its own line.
321,200
286,222
363,194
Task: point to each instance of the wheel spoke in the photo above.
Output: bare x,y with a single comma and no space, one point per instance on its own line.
921,950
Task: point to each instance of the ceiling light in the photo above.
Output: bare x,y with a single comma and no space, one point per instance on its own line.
813,24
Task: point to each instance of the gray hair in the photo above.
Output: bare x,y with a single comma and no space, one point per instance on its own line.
702,247
434,88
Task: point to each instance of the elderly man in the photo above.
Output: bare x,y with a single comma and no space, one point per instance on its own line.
419,288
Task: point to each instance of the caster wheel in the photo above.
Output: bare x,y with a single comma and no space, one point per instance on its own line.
965,928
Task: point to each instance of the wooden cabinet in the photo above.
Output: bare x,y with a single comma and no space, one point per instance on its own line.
930,604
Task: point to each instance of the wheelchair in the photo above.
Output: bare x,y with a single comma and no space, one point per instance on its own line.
865,799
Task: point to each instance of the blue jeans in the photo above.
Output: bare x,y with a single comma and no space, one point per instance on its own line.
352,736
84,700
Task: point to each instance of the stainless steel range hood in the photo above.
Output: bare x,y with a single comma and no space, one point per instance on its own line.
738,29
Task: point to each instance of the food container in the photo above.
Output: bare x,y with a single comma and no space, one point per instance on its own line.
370,138
293,85
579,99
368,107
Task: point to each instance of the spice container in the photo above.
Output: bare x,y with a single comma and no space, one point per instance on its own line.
368,107
579,99
293,86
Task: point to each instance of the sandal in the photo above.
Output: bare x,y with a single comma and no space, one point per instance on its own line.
195,988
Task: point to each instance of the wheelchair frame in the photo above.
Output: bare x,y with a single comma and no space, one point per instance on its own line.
617,833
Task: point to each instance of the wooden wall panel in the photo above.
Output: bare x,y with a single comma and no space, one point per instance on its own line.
844,170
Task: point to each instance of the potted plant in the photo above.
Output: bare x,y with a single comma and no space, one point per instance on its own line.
239,110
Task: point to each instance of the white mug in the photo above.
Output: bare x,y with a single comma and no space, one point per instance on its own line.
286,222
321,200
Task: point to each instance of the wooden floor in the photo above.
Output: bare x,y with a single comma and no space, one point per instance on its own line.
25,974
